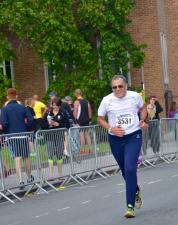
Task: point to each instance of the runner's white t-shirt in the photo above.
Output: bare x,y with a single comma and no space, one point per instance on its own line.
122,111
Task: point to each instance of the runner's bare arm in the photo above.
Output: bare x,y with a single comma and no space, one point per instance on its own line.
101,120
143,116
143,113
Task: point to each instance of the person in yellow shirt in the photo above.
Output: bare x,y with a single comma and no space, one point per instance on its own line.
142,94
39,109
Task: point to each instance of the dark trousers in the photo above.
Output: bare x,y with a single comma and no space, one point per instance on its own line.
126,151
154,134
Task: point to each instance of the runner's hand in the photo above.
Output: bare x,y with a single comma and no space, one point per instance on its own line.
143,124
118,131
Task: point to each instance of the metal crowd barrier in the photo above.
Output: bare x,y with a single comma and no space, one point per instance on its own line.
169,139
151,147
104,157
160,141
29,161
83,152
18,168
53,164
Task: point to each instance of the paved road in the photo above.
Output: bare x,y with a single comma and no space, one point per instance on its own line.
101,202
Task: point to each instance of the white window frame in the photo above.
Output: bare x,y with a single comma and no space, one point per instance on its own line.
3,67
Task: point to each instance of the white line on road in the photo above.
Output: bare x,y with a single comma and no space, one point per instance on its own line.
118,192
106,196
142,183
155,181
86,202
62,209
91,186
120,184
41,215
176,175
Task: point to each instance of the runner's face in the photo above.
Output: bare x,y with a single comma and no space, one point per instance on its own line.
119,88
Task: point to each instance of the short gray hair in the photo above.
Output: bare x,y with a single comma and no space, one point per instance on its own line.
116,77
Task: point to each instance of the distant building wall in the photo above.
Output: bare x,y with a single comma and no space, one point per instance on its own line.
145,29
28,71
150,20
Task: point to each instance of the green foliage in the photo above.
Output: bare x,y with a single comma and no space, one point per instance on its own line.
72,36
4,84
5,51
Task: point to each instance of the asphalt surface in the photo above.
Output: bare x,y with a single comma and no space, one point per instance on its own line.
101,202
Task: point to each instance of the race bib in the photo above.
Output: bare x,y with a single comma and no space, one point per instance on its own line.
124,120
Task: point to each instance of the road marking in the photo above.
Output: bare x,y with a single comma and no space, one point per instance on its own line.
106,196
155,181
176,175
118,192
62,209
91,186
144,182
120,184
41,215
86,202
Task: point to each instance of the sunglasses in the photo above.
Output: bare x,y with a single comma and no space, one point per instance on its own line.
118,86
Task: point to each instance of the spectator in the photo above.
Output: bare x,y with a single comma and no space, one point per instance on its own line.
15,118
5,168
29,103
52,97
83,114
65,107
56,118
153,109
68,99
173,113
39,109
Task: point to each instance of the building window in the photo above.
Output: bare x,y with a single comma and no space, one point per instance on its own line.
2,69
6,69
49,76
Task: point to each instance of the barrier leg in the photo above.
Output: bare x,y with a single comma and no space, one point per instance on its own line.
7,198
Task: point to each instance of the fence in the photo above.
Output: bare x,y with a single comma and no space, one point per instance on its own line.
29,161
52,164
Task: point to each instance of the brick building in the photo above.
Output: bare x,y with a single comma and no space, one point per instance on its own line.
27,72
154,22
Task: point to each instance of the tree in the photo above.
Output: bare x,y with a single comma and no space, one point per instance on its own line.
83,42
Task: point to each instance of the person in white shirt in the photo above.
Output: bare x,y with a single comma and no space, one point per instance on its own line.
124,134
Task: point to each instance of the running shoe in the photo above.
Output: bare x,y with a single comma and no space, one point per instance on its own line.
21,186
32,154
82,151
66,153
138,199
130,213
30,179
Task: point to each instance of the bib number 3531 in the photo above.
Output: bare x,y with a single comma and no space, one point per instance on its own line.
124,120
